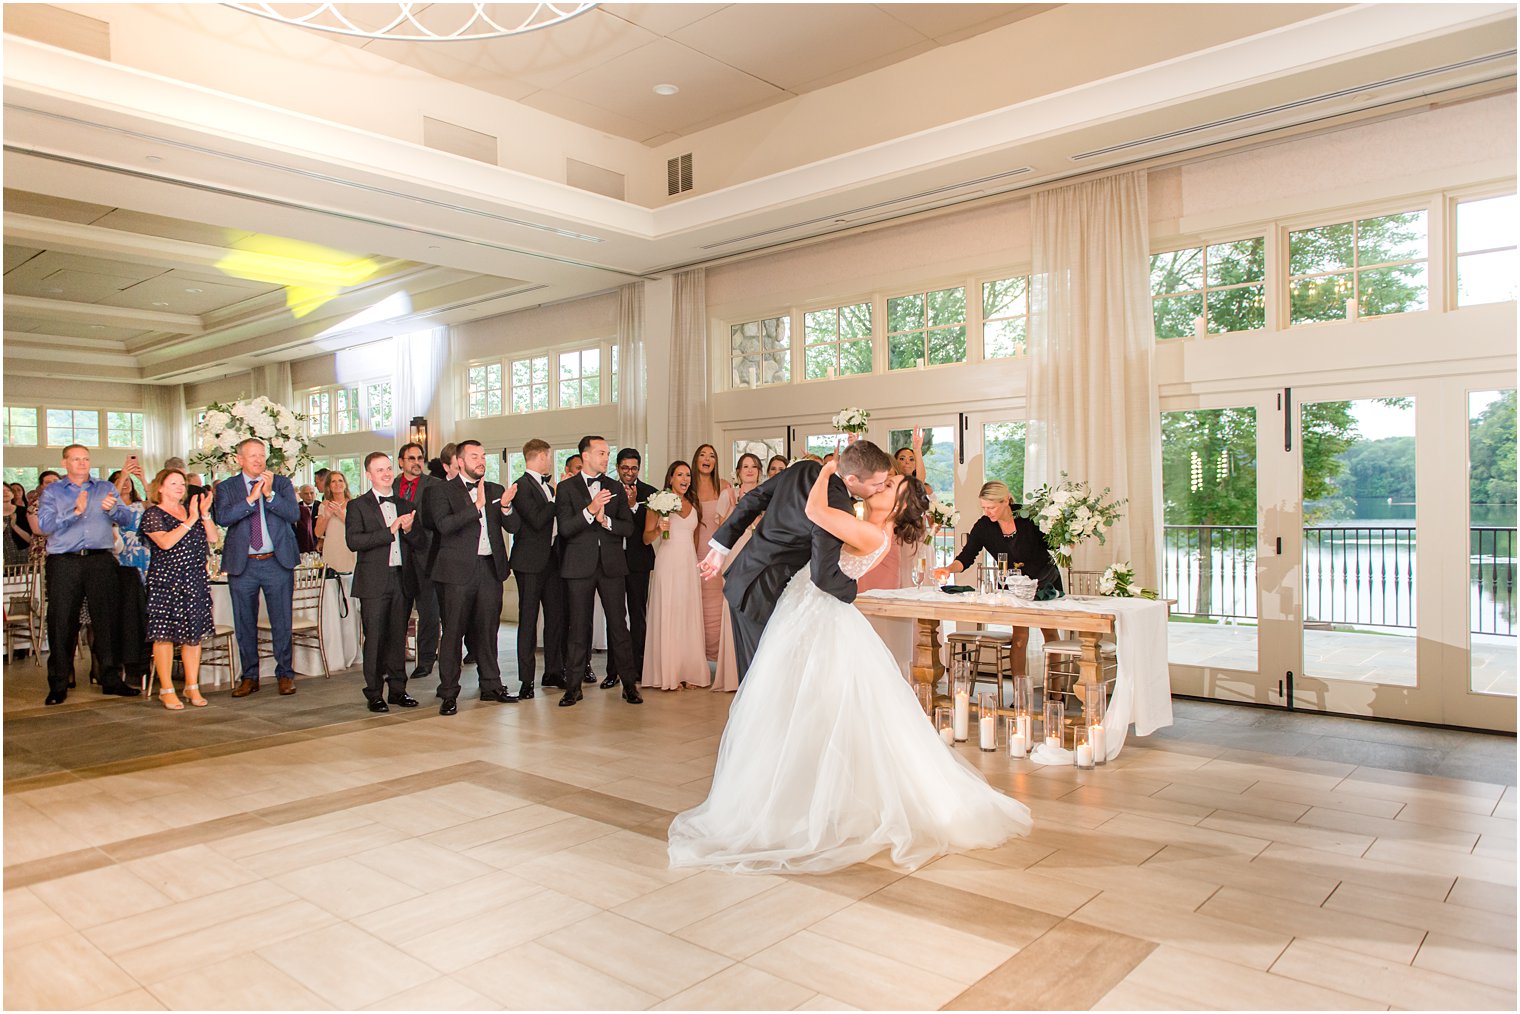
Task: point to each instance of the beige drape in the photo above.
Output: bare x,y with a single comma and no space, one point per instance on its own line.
690,378
633,390
1093,410
419,379
166,425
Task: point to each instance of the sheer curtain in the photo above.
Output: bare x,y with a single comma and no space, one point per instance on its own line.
633,417
418,376
166,427
1093,410
690,379
273,382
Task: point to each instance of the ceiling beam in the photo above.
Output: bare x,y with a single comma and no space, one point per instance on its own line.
57,341
106,316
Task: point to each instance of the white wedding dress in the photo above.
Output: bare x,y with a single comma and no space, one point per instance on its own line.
828,758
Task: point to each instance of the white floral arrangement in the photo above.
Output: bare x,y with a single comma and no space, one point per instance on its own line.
664,503
943,516
1069,513
1118,581
852,420
226,426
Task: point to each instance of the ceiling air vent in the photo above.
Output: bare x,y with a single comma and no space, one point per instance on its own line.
678,175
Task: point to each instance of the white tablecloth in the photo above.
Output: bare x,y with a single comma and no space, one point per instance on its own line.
1142,687
340,633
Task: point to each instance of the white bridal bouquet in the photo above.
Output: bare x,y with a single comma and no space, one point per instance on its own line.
852,420
226,426
1069,514
942,516
1118,581
664,503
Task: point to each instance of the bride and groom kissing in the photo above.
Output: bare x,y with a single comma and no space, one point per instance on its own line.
827,757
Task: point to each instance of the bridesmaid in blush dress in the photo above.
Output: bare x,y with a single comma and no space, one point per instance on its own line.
716,498
747,480
673,656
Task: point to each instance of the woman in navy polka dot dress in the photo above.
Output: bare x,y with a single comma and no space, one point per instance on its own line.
179,597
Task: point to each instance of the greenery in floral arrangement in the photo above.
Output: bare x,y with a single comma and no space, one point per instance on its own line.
1118,581
1069,514
852,420
225,426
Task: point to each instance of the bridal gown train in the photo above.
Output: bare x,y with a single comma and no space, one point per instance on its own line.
827,758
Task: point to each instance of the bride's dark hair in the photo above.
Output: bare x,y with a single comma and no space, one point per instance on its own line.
909,510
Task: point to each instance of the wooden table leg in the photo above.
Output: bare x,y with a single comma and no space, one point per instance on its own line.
927,667
1088,664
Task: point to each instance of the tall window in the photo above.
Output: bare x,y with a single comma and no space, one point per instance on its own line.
838,341
1222,286
318,413
27,476
1005,317
926,329
613,355
580,378
517,465
483,397
1377,265
20,427
1487,266
530,384
73,426
1003,455
378,399
124,429
353,471
493,466
346,410
760,352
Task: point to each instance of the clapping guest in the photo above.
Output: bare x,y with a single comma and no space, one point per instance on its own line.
747,476
306,527
640,558
179,533
910,461
717,500
412,486
38,551
674,655
535,564
380,529
79,515
18,534
573,465
332,517
775,466
132,559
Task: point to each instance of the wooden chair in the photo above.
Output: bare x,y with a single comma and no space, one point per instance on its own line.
23,609
307,607
1062,657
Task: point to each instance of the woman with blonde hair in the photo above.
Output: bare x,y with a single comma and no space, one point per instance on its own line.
331,524
179,598
999,531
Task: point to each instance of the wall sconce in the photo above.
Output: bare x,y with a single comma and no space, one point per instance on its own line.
418,433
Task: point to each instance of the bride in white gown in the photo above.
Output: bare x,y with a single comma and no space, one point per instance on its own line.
828,758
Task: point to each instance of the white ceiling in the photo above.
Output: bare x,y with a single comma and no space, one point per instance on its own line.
599,69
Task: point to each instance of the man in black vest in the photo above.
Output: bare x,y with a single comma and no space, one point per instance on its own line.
535,564
640,557
382,532
594,519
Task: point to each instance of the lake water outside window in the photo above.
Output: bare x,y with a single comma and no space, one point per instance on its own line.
1491,520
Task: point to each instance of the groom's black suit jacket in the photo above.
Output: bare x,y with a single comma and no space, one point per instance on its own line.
784,543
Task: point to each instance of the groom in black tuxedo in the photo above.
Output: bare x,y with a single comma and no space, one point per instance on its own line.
594,519
786,541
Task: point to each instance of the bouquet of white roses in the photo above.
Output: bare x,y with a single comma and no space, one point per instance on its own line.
1118,581
942,515
1070,513
852,420
664,503
226,426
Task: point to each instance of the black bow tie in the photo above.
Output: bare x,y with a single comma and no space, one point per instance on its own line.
389,499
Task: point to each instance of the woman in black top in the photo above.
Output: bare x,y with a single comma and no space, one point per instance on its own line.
998,531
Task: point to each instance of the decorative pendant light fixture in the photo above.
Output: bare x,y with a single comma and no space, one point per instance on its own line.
420,22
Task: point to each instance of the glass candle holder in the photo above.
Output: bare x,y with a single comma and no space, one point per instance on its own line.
1018,742
1084,748
944,725
960,698
1023,708
987,722
925,693
1055,723
1094,713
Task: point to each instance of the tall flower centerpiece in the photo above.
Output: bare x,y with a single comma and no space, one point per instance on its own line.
1069,513
225,426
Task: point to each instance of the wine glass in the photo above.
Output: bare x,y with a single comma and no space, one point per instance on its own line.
920,570
1002,571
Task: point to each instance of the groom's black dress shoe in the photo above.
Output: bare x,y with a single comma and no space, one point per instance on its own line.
589,678
631,695
379,707
56,697
499,696
526,692
566,701
610,682
404,701
448,708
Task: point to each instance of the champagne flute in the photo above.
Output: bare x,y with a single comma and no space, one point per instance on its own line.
920,570
1002,571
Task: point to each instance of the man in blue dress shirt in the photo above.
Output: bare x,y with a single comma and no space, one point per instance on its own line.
78,514
259,511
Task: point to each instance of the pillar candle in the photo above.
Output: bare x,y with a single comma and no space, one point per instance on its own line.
1084,756
1054,742
962,716
1099,742
948,735
1018,746
989,732
1026,729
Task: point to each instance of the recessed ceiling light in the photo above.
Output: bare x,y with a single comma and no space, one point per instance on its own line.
194,290
665,89
155,158
160,303
434,246
97,327
55,291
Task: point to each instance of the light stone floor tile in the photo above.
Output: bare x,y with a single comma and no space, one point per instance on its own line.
740,987
1235,802
443,993
1019,887
242,982
1216,938
480,937
474,800
645,958
1336,926
1493,928
1482,895
590,880
1467,959
162,960
534,977
754,924
1332,799
61,973
1458,820
1160,806
1227,837
860,977
1235,871
822,1002
1213,984
1495,847
916,942
317,851
1291,860
1500,870
495,827
1393,830
191,872
1321,839
637,852
1386,981
1133,996
416,814
422,865
29,920
1148,884
509,853
442,908
345,888
137,999
285,838
190,916
346,966
675,906
97,896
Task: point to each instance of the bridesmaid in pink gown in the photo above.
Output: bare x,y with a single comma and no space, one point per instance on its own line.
747,476
717,502
673,651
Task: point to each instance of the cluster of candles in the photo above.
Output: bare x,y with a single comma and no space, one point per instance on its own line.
954,725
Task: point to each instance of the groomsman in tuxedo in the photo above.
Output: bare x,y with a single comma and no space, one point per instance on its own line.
594,519
468,516
383,534
535,564
413,486
446,459
640,557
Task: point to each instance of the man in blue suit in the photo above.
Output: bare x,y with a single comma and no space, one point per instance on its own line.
259,511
